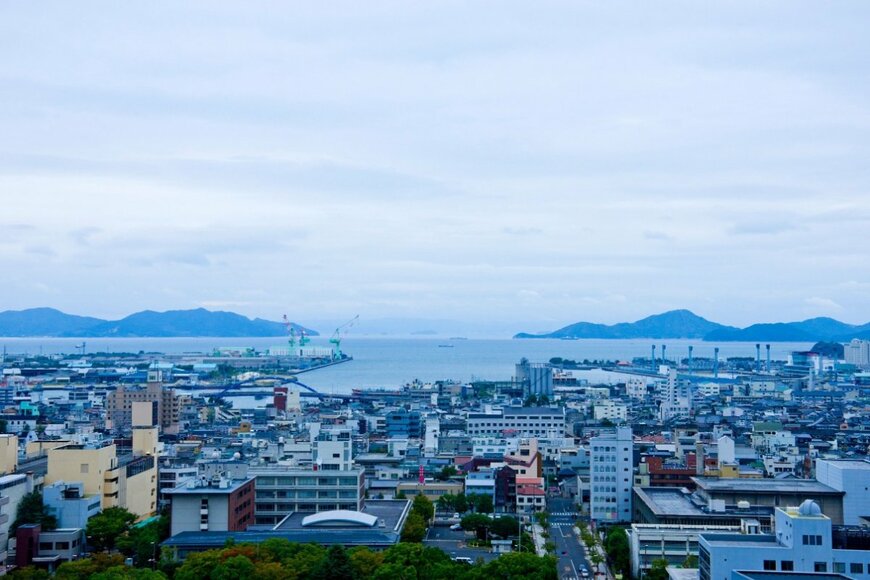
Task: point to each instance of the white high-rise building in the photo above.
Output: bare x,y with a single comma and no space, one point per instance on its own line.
611,475
676,399
857,353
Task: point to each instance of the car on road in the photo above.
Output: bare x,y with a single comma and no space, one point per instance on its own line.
456,527
584,572
463,560
456,516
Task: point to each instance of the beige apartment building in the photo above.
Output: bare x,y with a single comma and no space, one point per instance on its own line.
119,404
128,481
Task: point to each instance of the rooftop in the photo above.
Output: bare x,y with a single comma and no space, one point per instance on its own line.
678,501
391,512
211,487
849,463
801,486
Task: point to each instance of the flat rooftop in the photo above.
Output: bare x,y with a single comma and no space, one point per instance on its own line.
862,464
739,540
232,485
801,486
678,501
390,512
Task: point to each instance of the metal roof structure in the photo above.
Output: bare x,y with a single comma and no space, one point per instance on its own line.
340,517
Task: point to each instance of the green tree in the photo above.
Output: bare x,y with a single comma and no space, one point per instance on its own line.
87,567
461,503
29,573
395,572
422,506
141,543
446,473
517,567
234,568
337,565
617,548
658,570
482,503
199,565
446,503
691,561
414,529
31,510
128,573
505,526
365,562
104,529
477,523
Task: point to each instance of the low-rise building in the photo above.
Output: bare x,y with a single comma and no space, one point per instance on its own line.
212,505
804,540
69,503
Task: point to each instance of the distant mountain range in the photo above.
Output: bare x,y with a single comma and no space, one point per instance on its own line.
173,323
686,324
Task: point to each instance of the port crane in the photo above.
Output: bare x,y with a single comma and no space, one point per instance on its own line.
291,334
339,334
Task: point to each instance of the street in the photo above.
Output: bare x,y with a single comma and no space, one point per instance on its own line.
569,548
454,543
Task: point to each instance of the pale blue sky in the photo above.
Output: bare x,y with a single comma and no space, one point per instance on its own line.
534,162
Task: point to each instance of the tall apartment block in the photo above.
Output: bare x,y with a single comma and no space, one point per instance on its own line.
611,475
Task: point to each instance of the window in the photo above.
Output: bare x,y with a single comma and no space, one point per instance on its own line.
839,568
856,568
770,564
821,566
84,468
786,566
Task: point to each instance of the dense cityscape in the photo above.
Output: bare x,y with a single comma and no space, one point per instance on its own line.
142,461
476,290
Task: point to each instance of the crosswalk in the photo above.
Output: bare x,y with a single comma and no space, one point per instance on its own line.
563,514
562,524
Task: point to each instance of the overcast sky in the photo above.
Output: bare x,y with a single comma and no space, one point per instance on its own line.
542,163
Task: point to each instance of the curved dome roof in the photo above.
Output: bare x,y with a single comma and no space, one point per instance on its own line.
809,508
339,517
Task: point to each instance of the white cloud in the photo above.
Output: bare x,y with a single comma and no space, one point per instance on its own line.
396,159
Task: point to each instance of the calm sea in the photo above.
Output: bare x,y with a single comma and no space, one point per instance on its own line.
391,362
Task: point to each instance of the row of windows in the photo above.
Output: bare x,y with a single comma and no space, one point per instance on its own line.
305,481
854,568
302,507
811,540
788,565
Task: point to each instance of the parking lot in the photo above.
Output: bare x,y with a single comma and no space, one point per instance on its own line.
454,543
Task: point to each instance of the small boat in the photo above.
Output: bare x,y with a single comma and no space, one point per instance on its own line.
445,346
